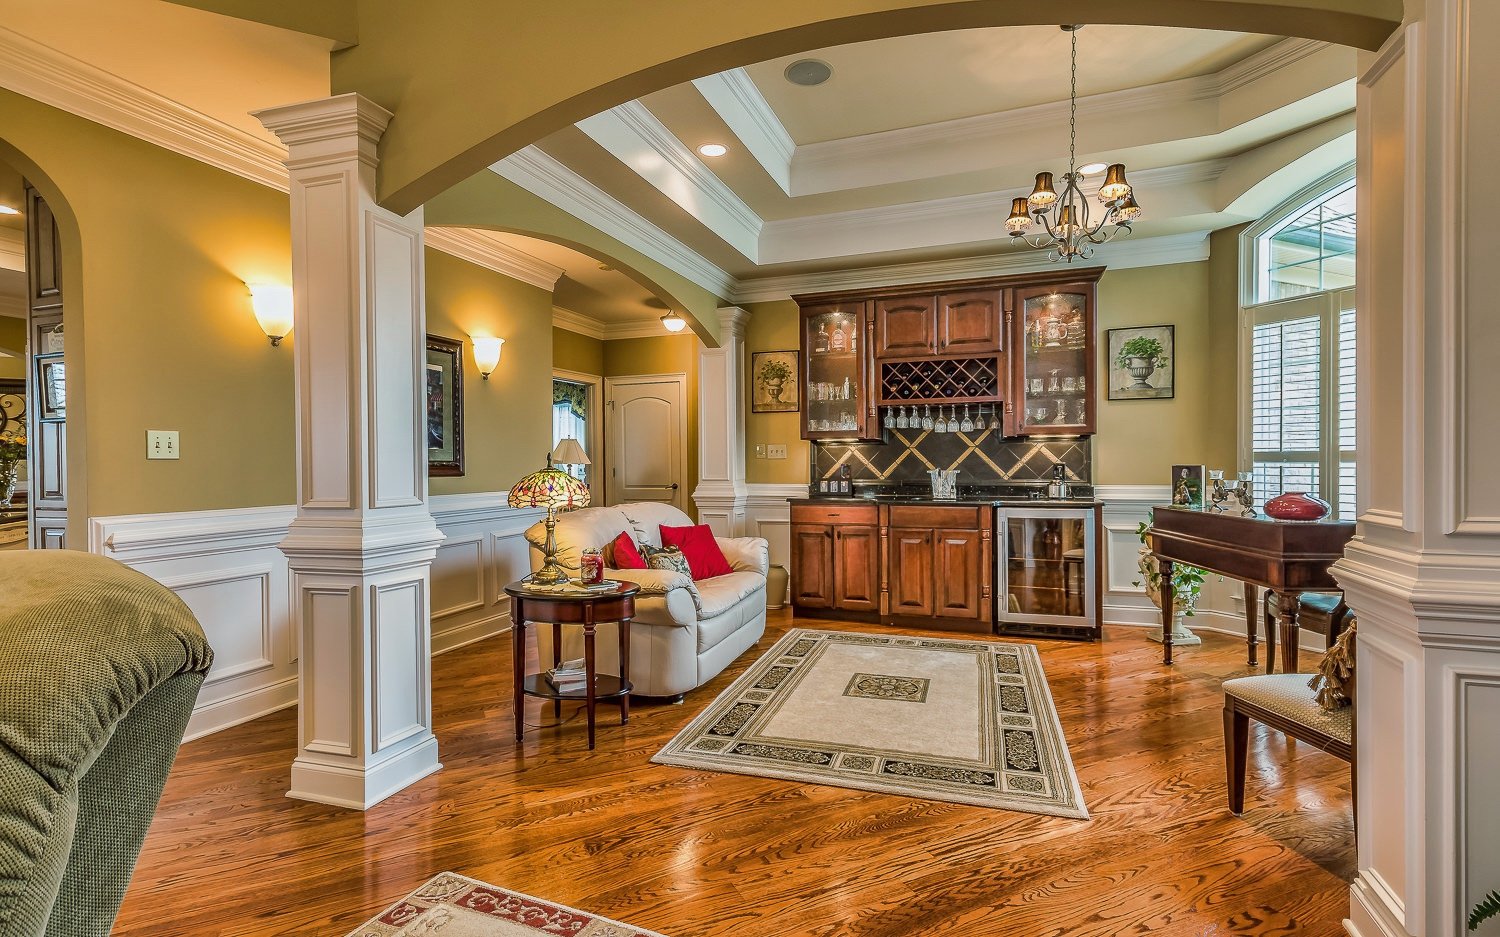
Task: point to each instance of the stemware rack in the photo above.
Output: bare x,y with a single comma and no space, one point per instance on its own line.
950,380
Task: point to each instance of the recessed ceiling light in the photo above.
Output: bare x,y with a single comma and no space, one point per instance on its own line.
7,210
1092,169
712,149
808,72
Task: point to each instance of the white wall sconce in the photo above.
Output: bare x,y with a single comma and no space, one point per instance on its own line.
486,353
673,322
272,303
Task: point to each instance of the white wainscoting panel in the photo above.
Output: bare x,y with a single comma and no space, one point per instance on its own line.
228,569
768,514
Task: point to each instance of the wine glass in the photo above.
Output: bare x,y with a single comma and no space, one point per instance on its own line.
927,419
890,418
901,418
967,426
979,420
940,425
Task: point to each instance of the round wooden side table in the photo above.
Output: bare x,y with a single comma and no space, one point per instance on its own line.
562,608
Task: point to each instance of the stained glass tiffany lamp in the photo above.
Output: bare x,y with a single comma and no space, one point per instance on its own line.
555,490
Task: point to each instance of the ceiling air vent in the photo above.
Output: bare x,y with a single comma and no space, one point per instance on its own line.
808,72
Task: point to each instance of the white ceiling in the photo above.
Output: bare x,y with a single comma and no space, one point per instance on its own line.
903,164
916,80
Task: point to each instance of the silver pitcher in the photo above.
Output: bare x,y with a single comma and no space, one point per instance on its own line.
944,484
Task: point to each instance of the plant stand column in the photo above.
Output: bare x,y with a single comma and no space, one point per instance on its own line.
361,547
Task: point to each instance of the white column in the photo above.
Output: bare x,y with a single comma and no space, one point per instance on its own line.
1423,572
720,494
361,547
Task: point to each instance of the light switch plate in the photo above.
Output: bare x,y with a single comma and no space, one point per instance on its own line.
760,451
776,452
161,444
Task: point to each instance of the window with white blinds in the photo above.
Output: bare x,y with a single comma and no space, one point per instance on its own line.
1300,434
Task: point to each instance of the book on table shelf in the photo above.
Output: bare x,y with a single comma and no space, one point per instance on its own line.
571,587
568,676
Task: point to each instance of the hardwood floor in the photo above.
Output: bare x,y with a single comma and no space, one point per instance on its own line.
693,854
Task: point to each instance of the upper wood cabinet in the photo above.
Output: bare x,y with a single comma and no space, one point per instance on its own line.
1053,360
969,323
835,392
947,324
905,326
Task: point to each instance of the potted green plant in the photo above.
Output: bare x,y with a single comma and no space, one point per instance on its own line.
1140,357
1486,909
775,373
1187,586
12,454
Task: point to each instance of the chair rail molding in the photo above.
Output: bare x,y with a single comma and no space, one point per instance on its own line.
226,566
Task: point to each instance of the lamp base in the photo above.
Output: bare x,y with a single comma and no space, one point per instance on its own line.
551,573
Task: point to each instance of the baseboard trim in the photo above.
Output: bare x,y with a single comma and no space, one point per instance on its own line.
242,707
451,639
1373,910
1210,620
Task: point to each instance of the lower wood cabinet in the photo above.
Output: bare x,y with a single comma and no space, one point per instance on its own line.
910,564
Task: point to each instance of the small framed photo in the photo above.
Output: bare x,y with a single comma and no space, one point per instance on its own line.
1142,363
443,389
773,382
52,386
1187,486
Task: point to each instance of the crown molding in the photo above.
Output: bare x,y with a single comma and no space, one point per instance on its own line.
12,249
546,178
650,328
577,322
750,116
480,247
634,136
1117,255
42,73
1268,61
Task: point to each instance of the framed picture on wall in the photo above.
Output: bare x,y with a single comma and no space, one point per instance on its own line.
773,382
1142,363
52,386
443,392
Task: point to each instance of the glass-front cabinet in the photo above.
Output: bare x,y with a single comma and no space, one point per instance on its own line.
1053,376
836,402
1046,572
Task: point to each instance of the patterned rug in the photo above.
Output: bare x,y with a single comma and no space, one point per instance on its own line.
453,906
970,722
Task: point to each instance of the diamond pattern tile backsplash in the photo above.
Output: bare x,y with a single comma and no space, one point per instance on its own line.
980,458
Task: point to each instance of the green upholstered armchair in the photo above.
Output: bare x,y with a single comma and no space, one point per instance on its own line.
99,670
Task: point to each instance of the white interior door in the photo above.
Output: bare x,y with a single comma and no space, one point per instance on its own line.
647,439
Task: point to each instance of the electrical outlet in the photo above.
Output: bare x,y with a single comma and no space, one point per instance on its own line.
776,452
161,444
760,451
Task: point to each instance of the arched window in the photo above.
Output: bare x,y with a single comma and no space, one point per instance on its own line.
1298,310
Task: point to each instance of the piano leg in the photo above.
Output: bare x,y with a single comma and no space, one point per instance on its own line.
1167,595
1287,603
1252,619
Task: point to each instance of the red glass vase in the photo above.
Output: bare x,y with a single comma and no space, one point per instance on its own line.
1297,506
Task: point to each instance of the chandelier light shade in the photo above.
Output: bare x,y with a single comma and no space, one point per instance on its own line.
1062,222
555,490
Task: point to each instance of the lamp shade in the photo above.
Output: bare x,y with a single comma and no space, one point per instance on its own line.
272,304
569,452
486,353
550,488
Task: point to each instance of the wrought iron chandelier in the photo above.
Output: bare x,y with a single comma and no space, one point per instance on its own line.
1065,227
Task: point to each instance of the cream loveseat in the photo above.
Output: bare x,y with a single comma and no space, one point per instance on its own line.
684,633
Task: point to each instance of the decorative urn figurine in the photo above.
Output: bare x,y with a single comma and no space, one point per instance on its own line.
1297,506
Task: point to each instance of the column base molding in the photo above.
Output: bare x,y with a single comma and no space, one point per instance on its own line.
1373,910
362,787
722,507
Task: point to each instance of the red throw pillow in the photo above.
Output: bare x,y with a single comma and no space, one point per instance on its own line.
704,557
624,554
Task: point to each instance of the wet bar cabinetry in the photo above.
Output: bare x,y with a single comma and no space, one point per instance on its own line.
915,564
1020,347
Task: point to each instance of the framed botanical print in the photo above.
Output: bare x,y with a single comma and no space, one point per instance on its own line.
443,394
52,387
773,382
1142,363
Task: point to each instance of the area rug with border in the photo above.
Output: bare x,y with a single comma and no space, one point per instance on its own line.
450,905
965,721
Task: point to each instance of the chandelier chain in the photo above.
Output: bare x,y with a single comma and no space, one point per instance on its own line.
1073,107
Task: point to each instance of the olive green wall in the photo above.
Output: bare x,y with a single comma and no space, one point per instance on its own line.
157,249
773,327
12,338
1138,440
507,419
574,352
667,354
